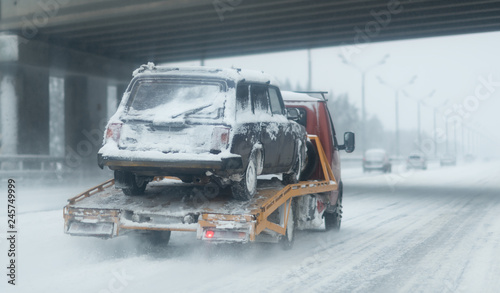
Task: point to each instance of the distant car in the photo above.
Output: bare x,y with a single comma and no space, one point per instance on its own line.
376,159
468,158
416,161
448,160
202,125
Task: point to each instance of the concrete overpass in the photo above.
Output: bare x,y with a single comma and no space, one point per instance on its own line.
92,45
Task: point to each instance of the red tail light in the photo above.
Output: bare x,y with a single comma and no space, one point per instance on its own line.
209,234
220,139
113,131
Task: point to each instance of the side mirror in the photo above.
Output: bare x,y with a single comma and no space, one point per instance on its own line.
292,114
349,142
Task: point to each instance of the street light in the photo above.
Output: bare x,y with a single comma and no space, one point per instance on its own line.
363,78
396,90
419,104
435,111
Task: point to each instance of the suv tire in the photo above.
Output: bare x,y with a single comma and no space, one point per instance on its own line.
246,188
294,177
129,183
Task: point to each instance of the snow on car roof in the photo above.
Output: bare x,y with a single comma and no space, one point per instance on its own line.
373,151
235,74
297,97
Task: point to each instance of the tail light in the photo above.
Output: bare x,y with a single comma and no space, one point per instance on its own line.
209,234
113,131
220,139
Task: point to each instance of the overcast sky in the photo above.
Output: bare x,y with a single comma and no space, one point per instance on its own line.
456,67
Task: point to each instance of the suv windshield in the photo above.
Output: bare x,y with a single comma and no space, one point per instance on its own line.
173,99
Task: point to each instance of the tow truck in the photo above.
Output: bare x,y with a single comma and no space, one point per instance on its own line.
273,215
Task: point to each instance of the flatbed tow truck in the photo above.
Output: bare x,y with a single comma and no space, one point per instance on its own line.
170,205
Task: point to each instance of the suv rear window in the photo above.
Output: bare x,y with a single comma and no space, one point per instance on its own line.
259,98
242,98
169,99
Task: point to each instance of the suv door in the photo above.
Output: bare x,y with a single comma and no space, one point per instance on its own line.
285,140
247,128
269,130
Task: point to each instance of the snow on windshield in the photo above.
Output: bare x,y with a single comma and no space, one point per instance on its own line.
167,100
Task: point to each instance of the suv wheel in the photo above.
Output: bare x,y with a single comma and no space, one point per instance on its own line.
294,177
311,163
129,183
246,188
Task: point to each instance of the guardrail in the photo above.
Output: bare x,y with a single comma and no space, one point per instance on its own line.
31,165
31,162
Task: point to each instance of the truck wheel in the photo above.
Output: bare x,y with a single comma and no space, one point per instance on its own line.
246,188
334,220
147,239
311,161
294,177
286,241
129,183
158,238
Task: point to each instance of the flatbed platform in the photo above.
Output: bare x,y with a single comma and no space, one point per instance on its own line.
171,205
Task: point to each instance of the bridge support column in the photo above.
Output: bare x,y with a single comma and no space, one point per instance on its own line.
26,68
8,115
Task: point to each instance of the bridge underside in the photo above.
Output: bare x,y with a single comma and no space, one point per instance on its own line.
162,31
87,47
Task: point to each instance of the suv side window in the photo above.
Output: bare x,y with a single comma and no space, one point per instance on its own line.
259,98
243,99
276,103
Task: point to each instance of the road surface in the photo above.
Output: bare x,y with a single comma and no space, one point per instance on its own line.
419,231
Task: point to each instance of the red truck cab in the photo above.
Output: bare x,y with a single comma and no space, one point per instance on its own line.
313,113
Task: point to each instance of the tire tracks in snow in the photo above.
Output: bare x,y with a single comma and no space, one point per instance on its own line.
386,245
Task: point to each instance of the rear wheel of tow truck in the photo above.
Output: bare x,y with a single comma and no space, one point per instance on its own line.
334,220
246,188
146,240
286,241
129,183
158,238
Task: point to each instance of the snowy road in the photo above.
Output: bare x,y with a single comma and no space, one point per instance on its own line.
425,231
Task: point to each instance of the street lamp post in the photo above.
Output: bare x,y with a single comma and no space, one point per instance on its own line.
363,107
435,112
420,101
396,102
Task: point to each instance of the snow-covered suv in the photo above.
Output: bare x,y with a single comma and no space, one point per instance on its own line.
202,125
